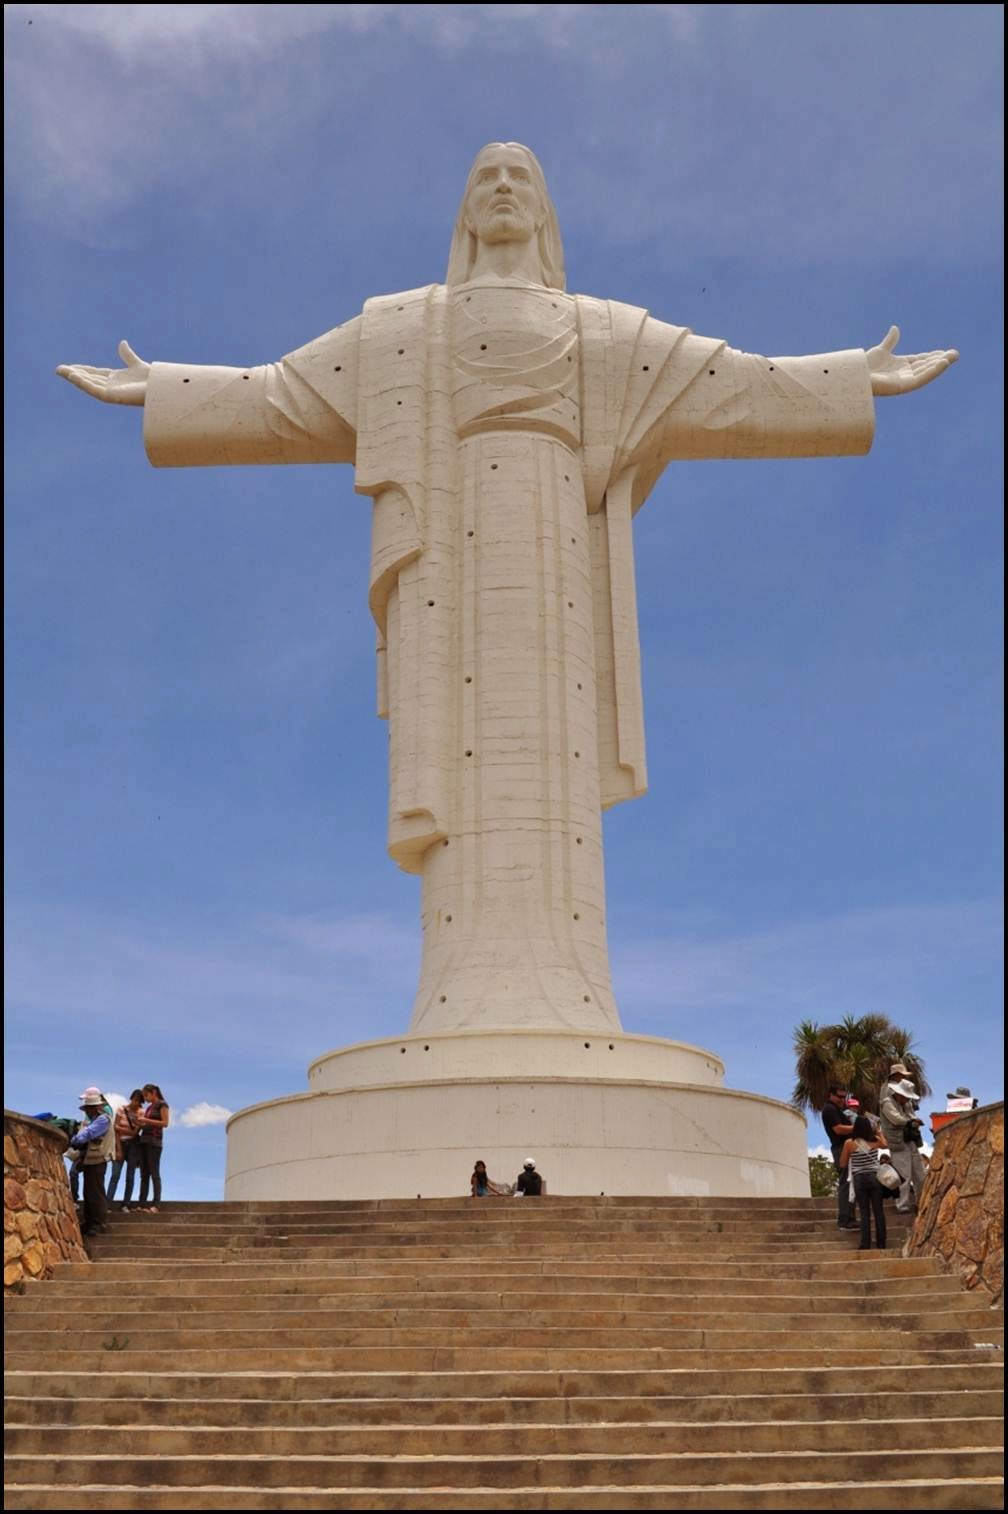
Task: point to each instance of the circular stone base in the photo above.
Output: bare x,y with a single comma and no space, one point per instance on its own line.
621,1115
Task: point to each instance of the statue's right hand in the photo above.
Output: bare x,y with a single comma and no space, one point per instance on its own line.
116,386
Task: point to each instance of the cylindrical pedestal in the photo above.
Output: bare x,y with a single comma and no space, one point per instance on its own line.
616,1114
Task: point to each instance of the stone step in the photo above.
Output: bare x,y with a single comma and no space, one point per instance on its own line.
454,1358
493,1324
269,1255
656,1355
479,1225
55,1309
464,1202
499,1472
636,1438
139,1229
871,1266
748,1238
512,1220
954,1493
386,1413
978,1372
555,1239
854,1289
702,1332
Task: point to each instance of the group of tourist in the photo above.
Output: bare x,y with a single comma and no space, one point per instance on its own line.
864,1146
129,1137
528,1184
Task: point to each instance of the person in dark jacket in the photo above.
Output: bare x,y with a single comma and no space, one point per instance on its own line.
530,1183
839,1127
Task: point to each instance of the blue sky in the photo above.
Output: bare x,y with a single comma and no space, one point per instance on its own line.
190,656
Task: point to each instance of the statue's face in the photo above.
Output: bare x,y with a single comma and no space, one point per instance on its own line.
503,203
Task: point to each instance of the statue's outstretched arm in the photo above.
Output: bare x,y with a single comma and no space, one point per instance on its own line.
116,386
301,409
899,374
692,397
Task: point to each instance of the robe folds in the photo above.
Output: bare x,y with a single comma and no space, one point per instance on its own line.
504,474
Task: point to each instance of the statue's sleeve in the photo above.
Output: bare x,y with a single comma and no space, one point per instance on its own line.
694,397
302,409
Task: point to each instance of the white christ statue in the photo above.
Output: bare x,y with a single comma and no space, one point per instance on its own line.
507,432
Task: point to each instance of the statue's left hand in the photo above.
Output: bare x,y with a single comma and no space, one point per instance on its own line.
898,374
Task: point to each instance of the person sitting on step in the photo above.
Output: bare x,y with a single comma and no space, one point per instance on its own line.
483,1186
530,1184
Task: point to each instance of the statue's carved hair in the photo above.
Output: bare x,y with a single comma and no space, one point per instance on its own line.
462,256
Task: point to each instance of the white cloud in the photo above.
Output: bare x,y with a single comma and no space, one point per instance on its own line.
172,33
204,1114
792,138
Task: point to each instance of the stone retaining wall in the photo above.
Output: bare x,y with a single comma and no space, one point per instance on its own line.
961,1216
40,1222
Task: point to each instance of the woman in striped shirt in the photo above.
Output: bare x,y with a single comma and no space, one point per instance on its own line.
859,1158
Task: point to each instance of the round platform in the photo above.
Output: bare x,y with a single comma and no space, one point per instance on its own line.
615,1114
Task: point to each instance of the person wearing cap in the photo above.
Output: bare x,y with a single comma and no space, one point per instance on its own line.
898,1124
96,1142
530,1183
839,1126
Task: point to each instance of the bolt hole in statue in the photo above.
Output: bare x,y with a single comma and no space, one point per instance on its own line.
507,432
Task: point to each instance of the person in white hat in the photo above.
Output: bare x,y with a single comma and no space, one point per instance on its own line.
898,1122
897,1070
530,1184
96,1142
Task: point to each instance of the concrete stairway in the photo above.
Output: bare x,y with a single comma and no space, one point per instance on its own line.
563,1353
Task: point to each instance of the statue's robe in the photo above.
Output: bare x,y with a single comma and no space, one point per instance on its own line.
505,473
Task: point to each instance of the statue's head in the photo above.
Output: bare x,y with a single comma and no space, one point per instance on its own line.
506,200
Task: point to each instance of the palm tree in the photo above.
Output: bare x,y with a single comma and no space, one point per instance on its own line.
901,1043
814,1065
857,1053
861,1045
